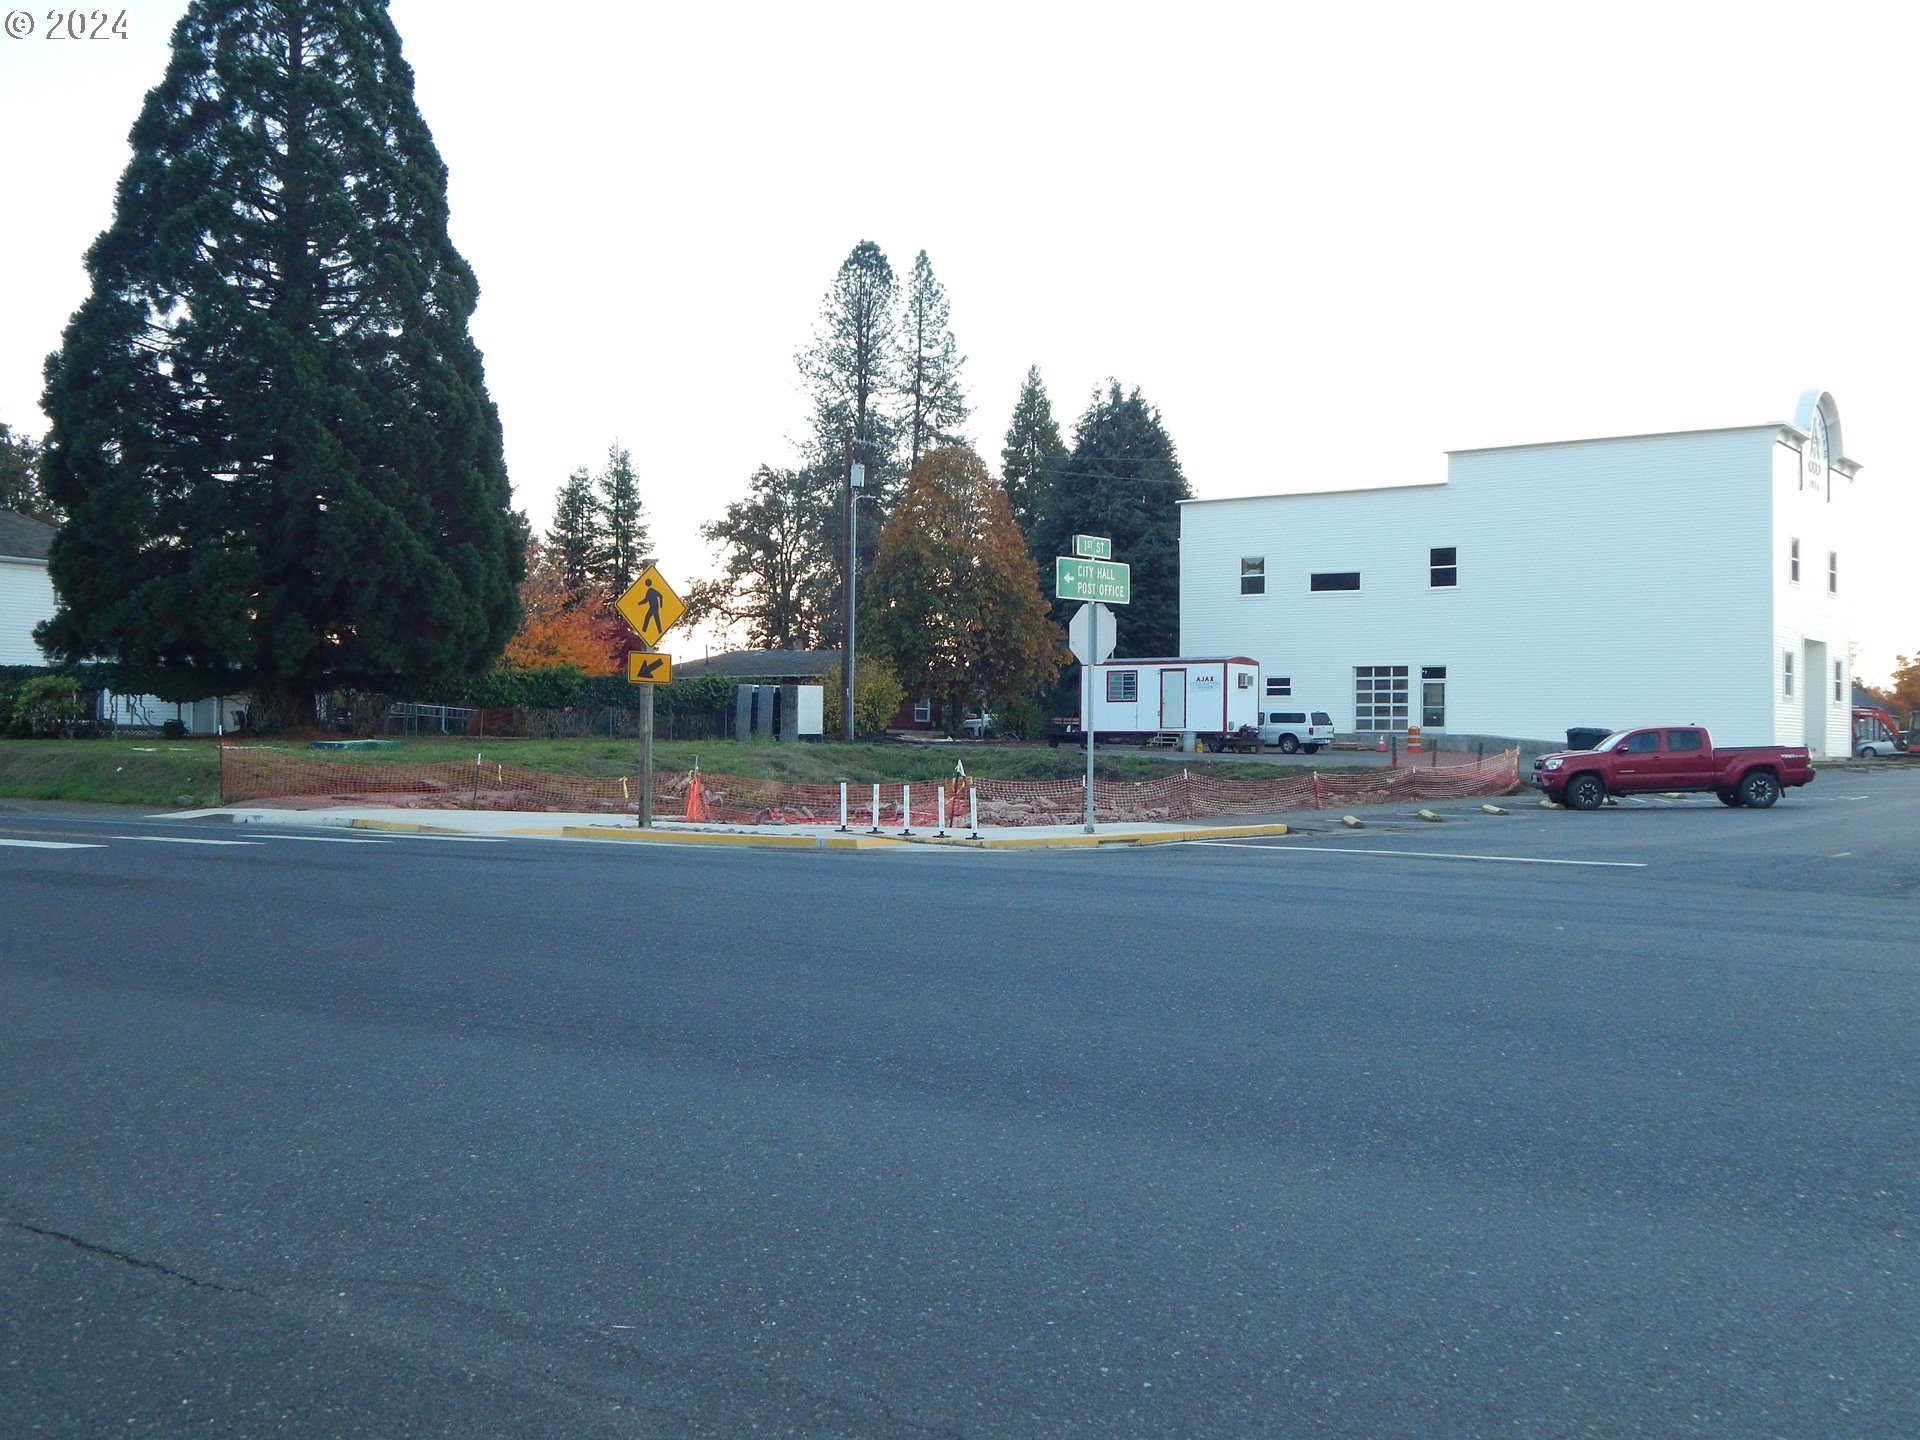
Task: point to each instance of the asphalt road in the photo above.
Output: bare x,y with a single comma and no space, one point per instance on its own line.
1539,1125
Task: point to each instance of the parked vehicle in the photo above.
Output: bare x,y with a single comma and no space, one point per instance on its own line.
1876,733
1672,757
1292,730
1160,700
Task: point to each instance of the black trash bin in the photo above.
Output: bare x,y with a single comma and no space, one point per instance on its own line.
1585,737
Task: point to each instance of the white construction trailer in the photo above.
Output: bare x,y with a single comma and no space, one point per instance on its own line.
1185,701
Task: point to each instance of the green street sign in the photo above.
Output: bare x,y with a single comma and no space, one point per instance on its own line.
1093,547
1107,582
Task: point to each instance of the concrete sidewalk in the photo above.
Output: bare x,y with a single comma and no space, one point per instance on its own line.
618,829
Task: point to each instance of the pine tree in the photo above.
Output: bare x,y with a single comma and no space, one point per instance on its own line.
933,406
573,543
1032,452
271,428
1123,480
625,546
20,488
953,599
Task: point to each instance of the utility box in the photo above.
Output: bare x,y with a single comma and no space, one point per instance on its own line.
777,712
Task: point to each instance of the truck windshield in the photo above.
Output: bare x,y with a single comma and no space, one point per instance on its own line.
1612,742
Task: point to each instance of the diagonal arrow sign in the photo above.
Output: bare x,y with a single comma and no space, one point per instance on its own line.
644,667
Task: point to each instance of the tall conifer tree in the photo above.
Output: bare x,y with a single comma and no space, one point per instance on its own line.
1032,452
271,428
933,408
573,543
625,544
1123,480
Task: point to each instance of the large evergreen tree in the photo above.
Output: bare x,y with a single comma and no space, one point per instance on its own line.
953,600
933,408
625,546
573,541
1123,480
271,429
1032,453
771,571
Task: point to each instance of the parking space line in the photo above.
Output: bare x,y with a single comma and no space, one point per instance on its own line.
180,840
325,840
1285,848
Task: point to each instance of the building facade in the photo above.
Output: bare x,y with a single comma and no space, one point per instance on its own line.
26,592
1697,577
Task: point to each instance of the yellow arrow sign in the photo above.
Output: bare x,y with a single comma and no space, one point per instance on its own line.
650,607
646,668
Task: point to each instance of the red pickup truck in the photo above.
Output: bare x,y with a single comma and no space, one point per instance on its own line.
1671,757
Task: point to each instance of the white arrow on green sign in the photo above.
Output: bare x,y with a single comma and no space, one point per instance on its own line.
1107,582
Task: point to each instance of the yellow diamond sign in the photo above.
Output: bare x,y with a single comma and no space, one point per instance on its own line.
650,607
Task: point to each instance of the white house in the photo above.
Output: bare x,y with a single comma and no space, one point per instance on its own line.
26,594
1697,577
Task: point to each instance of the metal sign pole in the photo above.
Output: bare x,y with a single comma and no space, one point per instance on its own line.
1086,723
646,757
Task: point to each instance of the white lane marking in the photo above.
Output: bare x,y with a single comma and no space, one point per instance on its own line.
180,840
457,839
1422,854
49,845
325,840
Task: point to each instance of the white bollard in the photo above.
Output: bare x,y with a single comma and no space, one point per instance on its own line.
843,807
876,811
906,809
973,813
940,801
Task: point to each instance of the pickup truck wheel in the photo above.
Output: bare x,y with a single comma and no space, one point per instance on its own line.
1759,790
1311,749
1288,744
1053,742
1729,797
1585,792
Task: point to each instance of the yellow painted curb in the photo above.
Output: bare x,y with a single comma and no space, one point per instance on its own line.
403,826
688,837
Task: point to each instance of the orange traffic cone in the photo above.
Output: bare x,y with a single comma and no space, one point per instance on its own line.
1382,746
696,802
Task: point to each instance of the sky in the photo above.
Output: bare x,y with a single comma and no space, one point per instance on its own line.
1322,241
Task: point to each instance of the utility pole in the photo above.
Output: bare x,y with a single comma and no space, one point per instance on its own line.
856,481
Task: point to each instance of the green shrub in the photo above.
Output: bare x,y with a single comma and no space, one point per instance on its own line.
173,729
1019,719
49,707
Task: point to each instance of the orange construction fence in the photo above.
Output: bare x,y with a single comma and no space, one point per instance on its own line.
258,772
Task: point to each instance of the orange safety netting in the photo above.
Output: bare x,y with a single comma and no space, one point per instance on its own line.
264,773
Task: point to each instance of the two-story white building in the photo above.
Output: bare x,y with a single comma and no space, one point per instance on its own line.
26,594
1698,577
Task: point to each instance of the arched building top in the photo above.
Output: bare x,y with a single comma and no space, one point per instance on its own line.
1818,418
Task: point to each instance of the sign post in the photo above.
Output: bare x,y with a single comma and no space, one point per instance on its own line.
1090,635
650,609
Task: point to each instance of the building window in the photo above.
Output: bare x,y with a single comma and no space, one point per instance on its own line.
923,712
1433,697
1787,670
1379,697
1279,685
1833,572
1123,686
1253,575
1443,568
1838,680
1793,561
1335,580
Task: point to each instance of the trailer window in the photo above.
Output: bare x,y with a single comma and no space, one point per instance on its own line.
1123,686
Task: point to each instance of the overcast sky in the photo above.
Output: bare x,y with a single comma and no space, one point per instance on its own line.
1338,240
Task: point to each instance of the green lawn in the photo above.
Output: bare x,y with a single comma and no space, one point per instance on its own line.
186,772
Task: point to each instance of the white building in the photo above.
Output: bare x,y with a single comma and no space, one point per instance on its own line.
1698,577
26,594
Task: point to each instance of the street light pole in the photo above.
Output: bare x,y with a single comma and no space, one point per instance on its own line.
856,479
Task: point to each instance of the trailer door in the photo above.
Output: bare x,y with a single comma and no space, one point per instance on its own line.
1173,699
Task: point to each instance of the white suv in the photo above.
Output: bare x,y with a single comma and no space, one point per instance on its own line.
1293,730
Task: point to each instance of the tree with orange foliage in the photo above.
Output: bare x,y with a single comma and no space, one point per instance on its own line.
954,598
558,627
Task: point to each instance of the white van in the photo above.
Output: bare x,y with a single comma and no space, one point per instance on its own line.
1293,730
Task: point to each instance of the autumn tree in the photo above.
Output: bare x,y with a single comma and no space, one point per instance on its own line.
1032,453
1902,694
1122,480
953,599
555,628
270,426
933,408
768,547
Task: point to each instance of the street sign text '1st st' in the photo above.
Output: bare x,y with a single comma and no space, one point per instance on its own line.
1108,582
1093,547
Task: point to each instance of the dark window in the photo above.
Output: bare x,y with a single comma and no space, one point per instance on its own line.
1443,568
1320,717
1335,580
1786,657
1278,686
1645,743
1287,717
1433,696
1253,575
1683,739
1836,679
1379,697
1833,572
1123,685
1793,561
